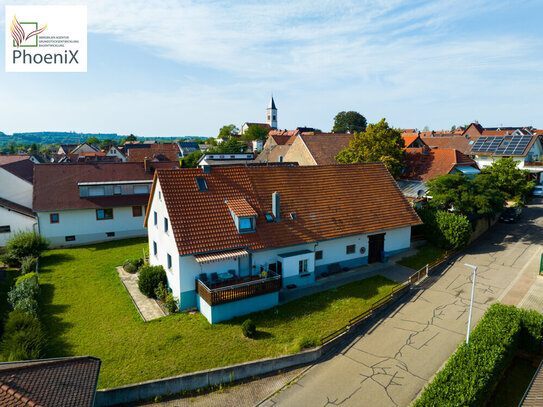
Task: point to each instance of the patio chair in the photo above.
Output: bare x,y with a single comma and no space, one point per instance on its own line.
233,272
203,277
214,278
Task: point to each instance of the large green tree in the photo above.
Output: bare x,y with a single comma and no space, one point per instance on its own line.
255,132
191,159
227,130
349,122
232,145
379,142
509,179
465,195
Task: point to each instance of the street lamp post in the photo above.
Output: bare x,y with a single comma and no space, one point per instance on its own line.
472,294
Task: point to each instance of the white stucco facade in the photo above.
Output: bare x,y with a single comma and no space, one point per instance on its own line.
15,189
84,226
15,222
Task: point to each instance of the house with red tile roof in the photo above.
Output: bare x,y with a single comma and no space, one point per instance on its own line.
413,141
16,179
231,237
83,203
425,165
317,149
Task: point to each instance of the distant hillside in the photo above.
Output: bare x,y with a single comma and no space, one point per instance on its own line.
52,137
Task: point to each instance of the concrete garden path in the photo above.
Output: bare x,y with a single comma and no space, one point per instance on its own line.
147,307
392,362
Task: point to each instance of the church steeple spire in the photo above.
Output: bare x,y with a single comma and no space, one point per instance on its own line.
271,114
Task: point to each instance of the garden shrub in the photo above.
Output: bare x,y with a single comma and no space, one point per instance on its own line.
24,296
28,264
149,279
445,229
138,262
23,338
162,291
473,370
171,303
248,328
24,244
28,276
304,342
130,268
10,260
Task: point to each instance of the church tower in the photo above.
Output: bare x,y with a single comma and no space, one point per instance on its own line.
271,114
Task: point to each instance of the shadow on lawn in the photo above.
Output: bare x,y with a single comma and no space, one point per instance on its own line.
115,244
54,326
280,315
53,259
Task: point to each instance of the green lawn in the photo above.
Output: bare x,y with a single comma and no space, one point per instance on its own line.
87,311
427,254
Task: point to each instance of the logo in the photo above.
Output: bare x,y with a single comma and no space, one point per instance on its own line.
46,38
19,36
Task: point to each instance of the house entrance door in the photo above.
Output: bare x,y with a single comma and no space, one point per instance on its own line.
244,266
376,246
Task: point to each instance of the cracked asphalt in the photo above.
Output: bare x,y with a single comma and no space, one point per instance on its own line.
393,360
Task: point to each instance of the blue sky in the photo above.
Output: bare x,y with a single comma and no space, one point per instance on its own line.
185,68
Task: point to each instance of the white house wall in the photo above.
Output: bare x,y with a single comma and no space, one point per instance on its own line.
82,224
165,242
17,223
15,189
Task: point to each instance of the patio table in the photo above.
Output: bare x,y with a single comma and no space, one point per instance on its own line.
225,276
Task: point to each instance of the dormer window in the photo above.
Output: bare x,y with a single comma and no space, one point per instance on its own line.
246,224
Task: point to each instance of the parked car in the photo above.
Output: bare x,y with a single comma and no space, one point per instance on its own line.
538,190
510,215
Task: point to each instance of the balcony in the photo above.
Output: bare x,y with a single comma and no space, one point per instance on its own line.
533,163
237,289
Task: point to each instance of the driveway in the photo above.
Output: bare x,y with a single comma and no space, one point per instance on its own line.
391,363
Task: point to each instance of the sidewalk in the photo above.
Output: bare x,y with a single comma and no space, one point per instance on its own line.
147,307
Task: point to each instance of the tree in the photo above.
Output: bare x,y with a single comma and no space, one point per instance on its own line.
349,122
131,137
227,130
211,141
509,179
33,148
464,195
232,145
453,128
378,143
106,143
93,140
11,148
255,132
191,159
426,128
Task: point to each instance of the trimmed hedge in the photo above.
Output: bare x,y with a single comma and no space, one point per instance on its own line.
472,371
445,229
149,279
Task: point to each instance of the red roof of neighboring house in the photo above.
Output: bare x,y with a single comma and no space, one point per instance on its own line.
18,165
15,207
62,382
328,201
283,133
425,166
166,154
325,146
281,139
56,185
459,143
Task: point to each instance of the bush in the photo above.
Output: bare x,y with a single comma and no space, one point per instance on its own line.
23,338
130,268
445,229
24,296
28,264
473,370
136,262
248,328
171,303
162,291
24,244
10,260
150,277
27,276
305,342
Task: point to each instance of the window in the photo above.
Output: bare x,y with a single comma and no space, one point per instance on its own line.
69,238
169,261
136,211
155,218
104,214
274,117
350,249
96,191
165,224
245,224
53,217
117,190
293,216
269,217
302,266
110,234
201,182
5,229
280,158
141,189
318,255
159,195
155,248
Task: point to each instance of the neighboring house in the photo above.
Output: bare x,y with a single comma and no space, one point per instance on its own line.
450,142
85,148
66,148
425,165
526,150
413,142
187,147
414,191
275,148
246,125
58,382
231,237
37,159
84,203
317,149
115,151
157,152
16,179
225,159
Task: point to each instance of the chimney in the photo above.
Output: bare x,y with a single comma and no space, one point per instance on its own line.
147,164
275,206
